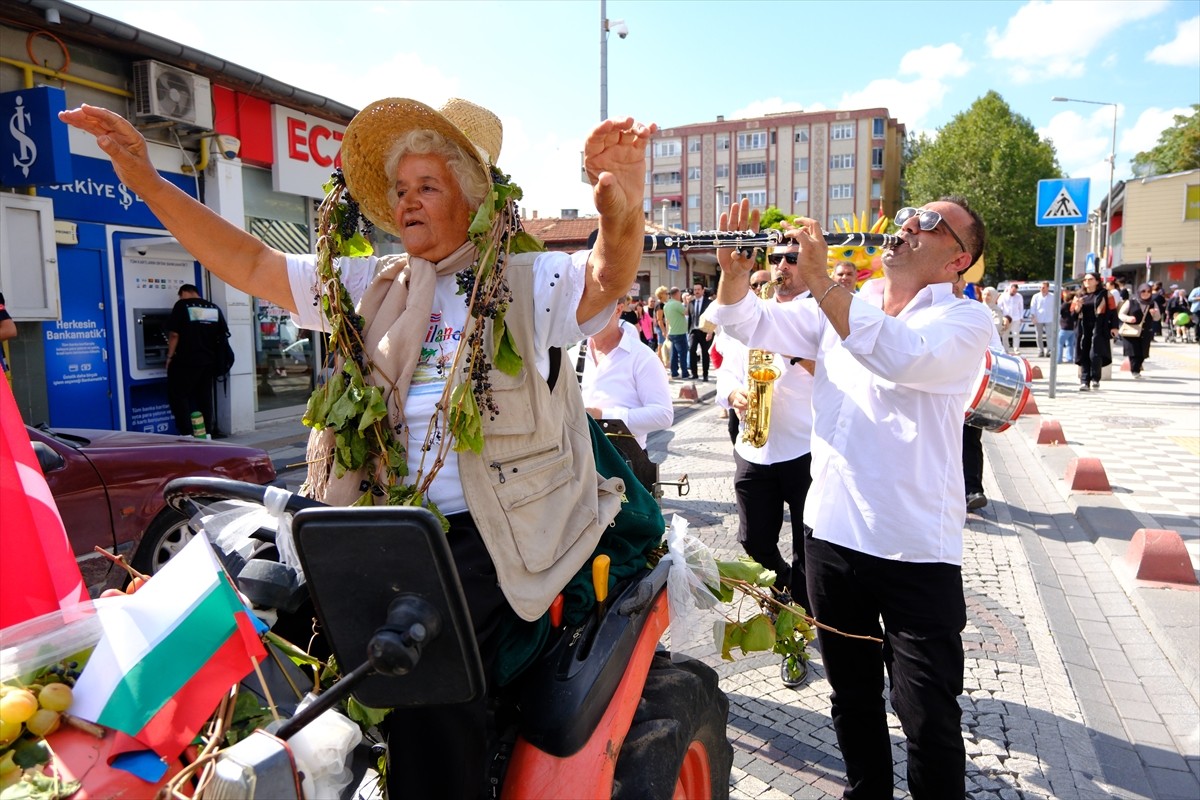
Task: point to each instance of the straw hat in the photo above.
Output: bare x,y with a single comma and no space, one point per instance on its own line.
374,130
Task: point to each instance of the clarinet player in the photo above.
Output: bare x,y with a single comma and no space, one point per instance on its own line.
885,512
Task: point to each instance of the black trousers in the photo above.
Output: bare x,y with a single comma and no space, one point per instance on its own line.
762,490
442,751
923,613
1137,350
190,389
972,456
699,342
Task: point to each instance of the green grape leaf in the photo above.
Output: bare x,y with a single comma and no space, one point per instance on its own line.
731,637
374,409
294,653
356,247
465,423
365,716
482,223
506,358
37,786
527,243
759,634
748,570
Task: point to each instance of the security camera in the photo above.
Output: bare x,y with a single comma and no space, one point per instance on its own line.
229,146
141,251
619,27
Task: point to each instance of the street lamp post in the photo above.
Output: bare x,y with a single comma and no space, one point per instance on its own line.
1112,165
622,30
719,191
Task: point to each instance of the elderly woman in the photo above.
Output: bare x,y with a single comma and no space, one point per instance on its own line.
420,174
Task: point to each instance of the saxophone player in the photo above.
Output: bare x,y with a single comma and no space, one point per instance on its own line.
885,511
776,474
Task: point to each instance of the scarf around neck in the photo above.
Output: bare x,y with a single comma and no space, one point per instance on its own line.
395,308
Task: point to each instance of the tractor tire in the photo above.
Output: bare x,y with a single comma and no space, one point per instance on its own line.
676,745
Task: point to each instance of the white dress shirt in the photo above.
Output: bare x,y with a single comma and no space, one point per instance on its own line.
627,383
887,414
791,402
1043,308
1013,305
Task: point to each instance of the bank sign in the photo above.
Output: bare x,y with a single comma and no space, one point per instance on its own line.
307,150
34,150
96,194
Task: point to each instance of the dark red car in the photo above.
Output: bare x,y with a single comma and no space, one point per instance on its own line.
109,489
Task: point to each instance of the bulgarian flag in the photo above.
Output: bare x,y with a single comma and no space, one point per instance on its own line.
169,653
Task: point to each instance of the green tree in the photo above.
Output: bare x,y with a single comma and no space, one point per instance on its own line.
994,158
1178,148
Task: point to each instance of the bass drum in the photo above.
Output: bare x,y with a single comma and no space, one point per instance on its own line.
1001,392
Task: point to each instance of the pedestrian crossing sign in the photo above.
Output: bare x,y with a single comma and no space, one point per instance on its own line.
1062,201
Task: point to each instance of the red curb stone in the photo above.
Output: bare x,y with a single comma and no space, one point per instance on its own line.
1035,371
1087,475
1030,406
1050,432
1159,556
1125,367
688,392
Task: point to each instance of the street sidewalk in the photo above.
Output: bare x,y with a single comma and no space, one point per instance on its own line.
1079,682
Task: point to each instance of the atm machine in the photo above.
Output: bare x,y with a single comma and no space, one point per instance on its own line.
149,271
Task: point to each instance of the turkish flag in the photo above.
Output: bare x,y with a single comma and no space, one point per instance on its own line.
38,573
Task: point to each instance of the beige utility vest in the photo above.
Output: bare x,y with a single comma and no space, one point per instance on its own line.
534,492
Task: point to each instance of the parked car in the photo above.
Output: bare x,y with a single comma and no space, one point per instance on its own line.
108,486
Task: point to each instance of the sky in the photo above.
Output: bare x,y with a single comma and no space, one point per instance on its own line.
536,64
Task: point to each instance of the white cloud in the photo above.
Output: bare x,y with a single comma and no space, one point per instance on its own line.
1183,50
946,60
1053,38
1149,126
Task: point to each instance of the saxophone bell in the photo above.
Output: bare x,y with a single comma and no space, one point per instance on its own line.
761,374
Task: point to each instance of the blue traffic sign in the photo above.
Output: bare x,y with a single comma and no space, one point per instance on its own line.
673,258
1062,201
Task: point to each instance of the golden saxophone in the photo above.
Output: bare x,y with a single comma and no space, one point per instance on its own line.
761,374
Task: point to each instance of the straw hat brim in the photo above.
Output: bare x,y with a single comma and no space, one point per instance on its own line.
369,140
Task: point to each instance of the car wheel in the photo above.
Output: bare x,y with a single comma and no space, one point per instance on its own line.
165,537
676,745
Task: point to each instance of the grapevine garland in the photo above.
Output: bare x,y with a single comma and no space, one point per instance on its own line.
353,407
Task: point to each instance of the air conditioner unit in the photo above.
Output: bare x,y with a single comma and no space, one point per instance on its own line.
163,92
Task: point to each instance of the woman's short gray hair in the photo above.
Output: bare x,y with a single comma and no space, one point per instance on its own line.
466,170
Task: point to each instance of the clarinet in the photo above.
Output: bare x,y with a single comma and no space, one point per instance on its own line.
712,240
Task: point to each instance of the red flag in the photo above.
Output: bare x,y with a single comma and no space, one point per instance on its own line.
38,573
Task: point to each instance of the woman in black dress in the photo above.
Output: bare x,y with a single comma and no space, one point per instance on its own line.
1139,310
1094,323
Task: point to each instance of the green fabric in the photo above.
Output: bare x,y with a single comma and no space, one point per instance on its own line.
676,316
637,529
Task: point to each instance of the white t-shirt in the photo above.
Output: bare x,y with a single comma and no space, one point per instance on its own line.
558,287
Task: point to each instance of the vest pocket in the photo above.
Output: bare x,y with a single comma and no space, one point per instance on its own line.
508,392
535,492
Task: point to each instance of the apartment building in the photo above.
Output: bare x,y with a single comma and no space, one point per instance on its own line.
828,165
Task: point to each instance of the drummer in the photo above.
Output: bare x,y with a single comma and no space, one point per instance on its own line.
894,364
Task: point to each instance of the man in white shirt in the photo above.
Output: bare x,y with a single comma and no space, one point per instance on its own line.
845,273
1043,311
1013,306
777,474
623,379
894,365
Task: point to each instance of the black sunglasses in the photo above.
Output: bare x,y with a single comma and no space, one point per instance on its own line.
775,258
927,220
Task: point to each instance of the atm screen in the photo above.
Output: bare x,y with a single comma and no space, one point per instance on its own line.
151,337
